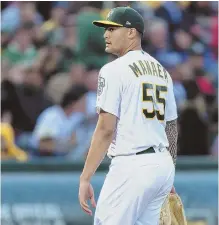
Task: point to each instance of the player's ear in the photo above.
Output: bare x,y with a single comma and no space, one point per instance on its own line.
132,33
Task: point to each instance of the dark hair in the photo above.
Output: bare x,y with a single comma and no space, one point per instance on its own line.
73,94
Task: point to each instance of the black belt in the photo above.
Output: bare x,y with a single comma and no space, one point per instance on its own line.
148,150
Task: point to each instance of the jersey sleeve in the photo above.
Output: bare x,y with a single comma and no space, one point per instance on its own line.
109,92
171,109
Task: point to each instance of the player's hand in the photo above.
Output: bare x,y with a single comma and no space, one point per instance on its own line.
173,191
86,192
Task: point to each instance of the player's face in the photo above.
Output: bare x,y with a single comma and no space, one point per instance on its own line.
115,39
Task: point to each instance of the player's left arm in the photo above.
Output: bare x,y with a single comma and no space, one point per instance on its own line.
101,140
172,135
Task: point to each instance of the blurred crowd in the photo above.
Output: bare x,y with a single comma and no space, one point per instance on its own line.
51,55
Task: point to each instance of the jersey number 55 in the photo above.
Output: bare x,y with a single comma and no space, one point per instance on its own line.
157,102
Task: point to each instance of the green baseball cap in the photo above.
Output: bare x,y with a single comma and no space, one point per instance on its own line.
122,17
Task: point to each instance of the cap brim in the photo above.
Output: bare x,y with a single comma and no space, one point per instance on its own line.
106,23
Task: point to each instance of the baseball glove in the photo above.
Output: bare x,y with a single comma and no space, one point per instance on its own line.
172,212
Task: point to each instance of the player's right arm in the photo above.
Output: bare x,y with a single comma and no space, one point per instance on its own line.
108,105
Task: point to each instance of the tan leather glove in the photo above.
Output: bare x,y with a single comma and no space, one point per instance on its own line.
172,212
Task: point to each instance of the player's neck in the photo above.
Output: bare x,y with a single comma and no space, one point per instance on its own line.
132,47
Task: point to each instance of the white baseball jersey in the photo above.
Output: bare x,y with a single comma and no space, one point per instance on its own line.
139,92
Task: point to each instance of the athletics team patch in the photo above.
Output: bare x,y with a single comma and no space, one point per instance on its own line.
101,85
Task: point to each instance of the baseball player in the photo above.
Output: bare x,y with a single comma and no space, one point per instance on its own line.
136,126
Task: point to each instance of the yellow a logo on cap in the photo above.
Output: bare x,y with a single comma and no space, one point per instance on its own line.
109,14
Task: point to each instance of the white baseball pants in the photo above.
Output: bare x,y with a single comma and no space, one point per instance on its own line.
135,189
